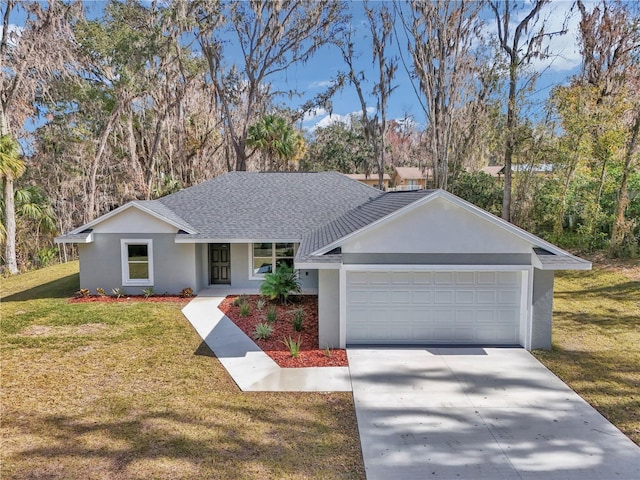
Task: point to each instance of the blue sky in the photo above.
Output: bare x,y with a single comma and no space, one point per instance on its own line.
554,71
312,78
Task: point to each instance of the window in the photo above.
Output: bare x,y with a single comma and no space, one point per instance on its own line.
137,262
266,257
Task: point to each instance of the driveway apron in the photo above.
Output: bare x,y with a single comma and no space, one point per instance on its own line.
479,413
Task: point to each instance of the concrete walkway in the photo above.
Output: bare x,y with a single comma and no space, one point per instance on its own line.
474,413
251,368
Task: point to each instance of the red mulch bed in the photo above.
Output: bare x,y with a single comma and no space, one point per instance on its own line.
310,355
129,298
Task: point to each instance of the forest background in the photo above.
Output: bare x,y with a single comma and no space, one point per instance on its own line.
138,99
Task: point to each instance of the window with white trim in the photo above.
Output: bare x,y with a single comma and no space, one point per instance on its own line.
266,257
137,262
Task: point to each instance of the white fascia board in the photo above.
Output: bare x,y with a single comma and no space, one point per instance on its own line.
535,261
565,266
428,268
61,239
127,206
185,239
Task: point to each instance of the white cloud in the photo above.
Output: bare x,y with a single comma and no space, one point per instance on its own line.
320,84
330,119
313,114
565,49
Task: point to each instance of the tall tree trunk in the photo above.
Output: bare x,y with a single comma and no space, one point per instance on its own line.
509,147
9,208
10,225
557,226
619,228
92,211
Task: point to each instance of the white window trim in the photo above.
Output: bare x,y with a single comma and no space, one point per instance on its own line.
253,276
124,258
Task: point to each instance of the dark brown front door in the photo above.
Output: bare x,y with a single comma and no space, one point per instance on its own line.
220,258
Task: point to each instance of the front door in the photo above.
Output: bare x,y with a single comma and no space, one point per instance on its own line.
220,259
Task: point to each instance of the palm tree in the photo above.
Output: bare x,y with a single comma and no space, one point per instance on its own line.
278,140
34,218
11,167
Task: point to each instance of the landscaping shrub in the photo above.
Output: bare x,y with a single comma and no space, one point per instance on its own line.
186,293
245,309
280,284
272,314
293,346
298,317
263,331
83,292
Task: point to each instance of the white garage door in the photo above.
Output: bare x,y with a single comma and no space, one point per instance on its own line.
465,307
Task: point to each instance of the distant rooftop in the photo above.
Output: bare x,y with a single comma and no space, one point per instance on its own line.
362,176
412,173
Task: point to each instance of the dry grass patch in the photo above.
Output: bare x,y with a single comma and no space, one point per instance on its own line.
127,391
596,334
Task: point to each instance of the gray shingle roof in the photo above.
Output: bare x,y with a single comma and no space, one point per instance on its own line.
266,206
553,261
355,219
159,208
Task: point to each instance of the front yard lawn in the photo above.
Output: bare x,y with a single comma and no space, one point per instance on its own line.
596,341
127,390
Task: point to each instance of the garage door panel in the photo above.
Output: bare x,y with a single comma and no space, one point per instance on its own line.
444,278
465,296
467,307
507,316
486,296
379,296
509,297
465,316
486,278
463,278
444,297
402,297
443,317
509,278
358,297
357,278
422,297
401,278
422,278
379,278
421,316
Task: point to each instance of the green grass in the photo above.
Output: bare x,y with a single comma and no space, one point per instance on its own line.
596,341
127,390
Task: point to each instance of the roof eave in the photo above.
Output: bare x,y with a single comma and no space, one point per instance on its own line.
127,206
62,239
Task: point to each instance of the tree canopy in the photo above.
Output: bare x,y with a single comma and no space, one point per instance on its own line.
139,99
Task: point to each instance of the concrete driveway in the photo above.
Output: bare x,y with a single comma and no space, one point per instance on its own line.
479,413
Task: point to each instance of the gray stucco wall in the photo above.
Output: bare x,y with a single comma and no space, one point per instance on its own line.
240,259
542,304
329,308
101,266
201,270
